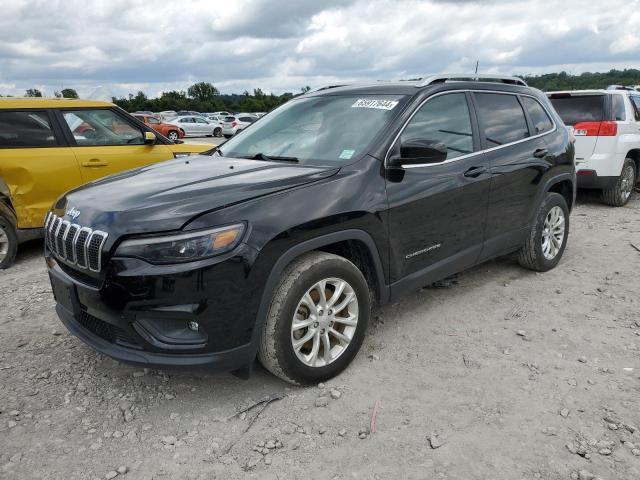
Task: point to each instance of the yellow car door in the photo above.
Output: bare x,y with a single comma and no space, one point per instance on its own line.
105,142
35,166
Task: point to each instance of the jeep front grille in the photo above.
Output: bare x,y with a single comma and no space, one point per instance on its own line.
76,245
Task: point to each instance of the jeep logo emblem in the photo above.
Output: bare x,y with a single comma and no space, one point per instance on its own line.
73,212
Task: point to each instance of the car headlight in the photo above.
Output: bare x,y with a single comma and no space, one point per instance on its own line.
183,247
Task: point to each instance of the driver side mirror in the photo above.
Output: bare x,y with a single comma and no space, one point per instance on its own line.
149,138
416,151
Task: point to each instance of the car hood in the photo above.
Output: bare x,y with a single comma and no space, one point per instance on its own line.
165,196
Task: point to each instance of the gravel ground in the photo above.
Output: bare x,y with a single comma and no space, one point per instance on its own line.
499,374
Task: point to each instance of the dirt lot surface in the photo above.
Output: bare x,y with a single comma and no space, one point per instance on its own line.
501,374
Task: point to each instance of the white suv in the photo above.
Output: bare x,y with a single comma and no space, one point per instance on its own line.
236,123
606,126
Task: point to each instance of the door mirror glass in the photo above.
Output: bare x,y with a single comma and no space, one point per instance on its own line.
149,138
416,151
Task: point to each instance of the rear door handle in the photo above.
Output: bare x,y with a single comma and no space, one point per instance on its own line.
541,153
95,162
474,172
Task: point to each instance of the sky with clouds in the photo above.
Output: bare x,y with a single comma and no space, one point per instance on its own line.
114,47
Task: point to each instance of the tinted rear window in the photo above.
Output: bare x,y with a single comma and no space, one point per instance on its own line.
229,119
579,108
26,129
502,118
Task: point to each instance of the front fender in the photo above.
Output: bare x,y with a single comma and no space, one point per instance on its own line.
299,249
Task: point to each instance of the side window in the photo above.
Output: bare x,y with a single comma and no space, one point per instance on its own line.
617,104
247,119
101,127
541,121
443,119
26,129
153,120
635,102
502,118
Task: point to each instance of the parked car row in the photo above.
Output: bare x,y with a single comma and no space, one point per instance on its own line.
184,123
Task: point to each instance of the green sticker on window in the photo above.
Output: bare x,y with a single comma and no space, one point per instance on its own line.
346,154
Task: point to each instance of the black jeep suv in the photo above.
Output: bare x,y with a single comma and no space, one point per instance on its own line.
277,244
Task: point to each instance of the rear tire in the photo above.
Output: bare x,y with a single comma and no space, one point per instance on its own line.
619,193
217,132
543,247
298,298
8,240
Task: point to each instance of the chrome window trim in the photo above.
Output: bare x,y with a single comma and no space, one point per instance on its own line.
468,155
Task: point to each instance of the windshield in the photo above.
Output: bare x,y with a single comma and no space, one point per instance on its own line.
326,129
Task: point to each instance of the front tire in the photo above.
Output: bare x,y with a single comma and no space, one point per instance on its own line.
618,194
8,241
173,135
317,319
547,239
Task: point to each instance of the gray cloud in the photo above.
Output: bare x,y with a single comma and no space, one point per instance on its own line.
126,45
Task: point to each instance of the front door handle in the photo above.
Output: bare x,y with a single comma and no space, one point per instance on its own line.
541,153
474,172
95,162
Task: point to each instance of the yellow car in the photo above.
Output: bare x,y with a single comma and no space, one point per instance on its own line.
49,146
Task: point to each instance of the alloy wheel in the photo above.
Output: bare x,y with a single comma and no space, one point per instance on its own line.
626,185
553,233
325,322
4,244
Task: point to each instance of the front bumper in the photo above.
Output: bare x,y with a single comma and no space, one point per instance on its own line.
141,314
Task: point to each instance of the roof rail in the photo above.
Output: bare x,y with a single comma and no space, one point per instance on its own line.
326,87
620,87
473,77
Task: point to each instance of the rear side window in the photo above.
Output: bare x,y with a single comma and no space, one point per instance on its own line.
443,119
502,118
635,101
617,105
538,115
26,129
579,108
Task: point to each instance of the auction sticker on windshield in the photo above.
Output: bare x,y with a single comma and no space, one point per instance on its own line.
372,103
346,154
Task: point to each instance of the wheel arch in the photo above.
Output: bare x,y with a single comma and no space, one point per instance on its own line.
634,154
564,187
355,245
5,201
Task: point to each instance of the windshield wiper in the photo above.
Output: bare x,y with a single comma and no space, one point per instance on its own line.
274,158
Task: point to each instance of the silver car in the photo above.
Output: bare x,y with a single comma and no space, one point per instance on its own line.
195,126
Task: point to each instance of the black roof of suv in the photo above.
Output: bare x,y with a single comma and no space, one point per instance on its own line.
278,244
